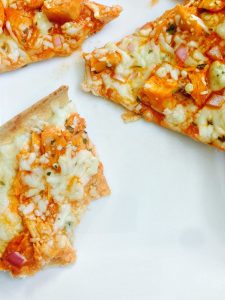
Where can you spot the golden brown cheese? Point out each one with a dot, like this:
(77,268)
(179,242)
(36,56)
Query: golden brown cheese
(35,30)
(170,71)
(49,174)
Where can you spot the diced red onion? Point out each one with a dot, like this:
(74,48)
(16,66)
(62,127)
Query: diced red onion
(215,53)
(216,100)
(16,259)
(182,53)
(57,41)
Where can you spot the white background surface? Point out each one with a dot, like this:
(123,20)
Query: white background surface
(161,234)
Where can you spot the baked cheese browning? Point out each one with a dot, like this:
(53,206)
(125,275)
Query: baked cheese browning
(35,30)
(53,175)
(170,71)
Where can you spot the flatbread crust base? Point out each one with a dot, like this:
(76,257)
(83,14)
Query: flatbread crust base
(22,124)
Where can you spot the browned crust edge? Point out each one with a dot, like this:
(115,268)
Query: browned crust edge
(22,124)
(41,110)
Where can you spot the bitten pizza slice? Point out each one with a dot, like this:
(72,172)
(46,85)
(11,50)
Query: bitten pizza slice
(49,173)
(35,30)
(171,71)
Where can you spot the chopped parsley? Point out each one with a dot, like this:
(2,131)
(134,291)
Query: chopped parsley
(138,99)
(209,122)
(25,31)
(171,29)
(70,129)
(201,66)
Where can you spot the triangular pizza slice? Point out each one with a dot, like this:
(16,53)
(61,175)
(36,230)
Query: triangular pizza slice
(49,173)
(170,71)
(34,30)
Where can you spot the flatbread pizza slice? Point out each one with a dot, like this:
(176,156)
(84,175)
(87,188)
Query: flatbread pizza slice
(49,173)
(36,30)
(170,71)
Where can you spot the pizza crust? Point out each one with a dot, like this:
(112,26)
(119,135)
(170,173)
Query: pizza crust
(96,187)
(41,110)
(170,71)
(29,34)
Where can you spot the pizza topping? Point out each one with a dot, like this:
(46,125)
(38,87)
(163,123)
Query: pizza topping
(64,218)
(172,28)
(189,88)
(43,23)
(212,5)
(220,30)
(215,53)
(176,116)
(217,76)
(75,174)
(216,100)
(35,30)
(49,174)
(211,123)
(62,11)
(16,259)
(182,53)
(26,161)
(170,71)
(26,209)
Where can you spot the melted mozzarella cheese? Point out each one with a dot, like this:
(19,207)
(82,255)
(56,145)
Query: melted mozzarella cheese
(26,161)
(168,69)
(10,223)
(217,76)
(10,49)
(95,9)
(26,209)
(64,217)
(71,28)
(42,22)
(61,113)
(8,164)
(138,58)
(76,171)
(123,89)
(35,181)
(201,23)
(220,30)
(176,116)
(211,124)
(58,118)
(10,226)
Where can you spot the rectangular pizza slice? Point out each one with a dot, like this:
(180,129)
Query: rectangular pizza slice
(170,71)
(49,173)
(34,30)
